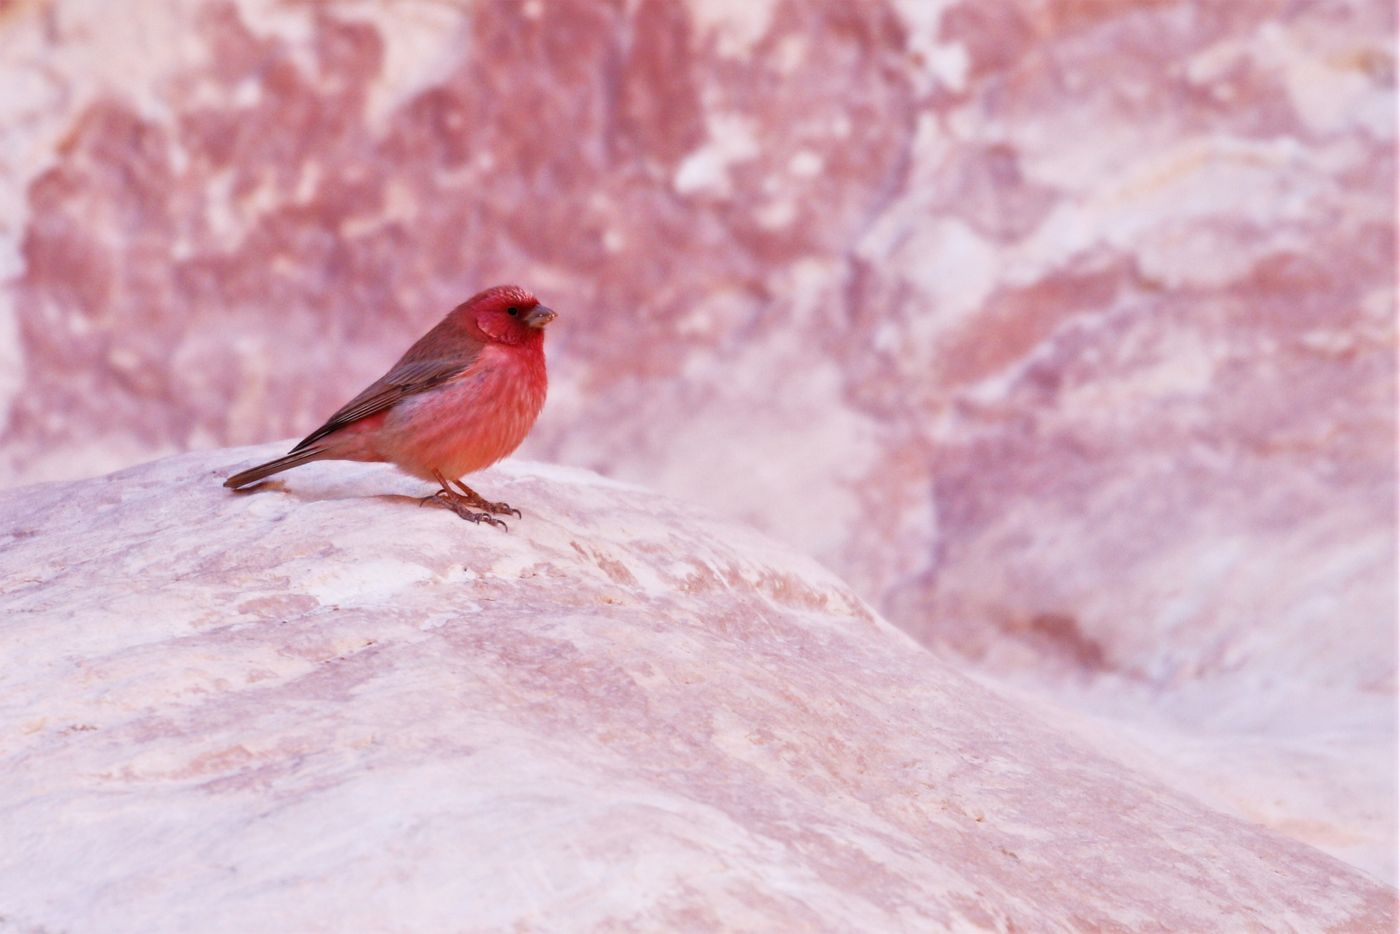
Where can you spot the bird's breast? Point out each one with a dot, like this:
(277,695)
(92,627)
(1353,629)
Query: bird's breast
(471,421)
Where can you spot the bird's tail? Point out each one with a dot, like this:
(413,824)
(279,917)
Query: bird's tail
(286,462)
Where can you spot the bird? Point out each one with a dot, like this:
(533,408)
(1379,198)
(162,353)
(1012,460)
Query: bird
(461,398)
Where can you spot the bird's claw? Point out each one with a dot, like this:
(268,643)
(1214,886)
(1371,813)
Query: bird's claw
(501,509)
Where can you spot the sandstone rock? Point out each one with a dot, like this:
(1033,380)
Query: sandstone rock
(1064,332)
(317,706)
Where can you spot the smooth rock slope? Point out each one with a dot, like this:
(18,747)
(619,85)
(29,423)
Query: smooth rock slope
(318,706)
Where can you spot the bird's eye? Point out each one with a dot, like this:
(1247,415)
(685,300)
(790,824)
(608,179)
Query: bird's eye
(512,311)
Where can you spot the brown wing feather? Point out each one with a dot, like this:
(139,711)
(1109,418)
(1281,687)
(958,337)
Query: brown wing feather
(438,356)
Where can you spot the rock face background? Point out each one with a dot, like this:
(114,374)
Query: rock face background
(1063,331)
(321,708)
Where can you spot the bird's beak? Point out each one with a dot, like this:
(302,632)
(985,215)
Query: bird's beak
(539,316)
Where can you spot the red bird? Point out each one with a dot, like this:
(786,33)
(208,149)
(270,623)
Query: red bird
(463,397)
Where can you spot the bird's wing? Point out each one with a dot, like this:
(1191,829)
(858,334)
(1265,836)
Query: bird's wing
(417,371)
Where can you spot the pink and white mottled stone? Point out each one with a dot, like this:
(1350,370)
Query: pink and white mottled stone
(320,707)
(1064,331)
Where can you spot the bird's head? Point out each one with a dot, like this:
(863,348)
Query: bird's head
(507,314)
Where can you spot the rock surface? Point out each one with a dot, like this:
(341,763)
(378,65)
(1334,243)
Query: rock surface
(319,707)
(1063,331)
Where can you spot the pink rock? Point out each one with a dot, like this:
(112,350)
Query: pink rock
(317,706)
(1063,331)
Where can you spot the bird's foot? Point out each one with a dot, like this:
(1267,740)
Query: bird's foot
(498,509)
(480,502)
(460,502)
(462,507)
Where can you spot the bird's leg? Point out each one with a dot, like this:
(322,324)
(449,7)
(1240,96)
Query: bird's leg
(480,502)
(459,504)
